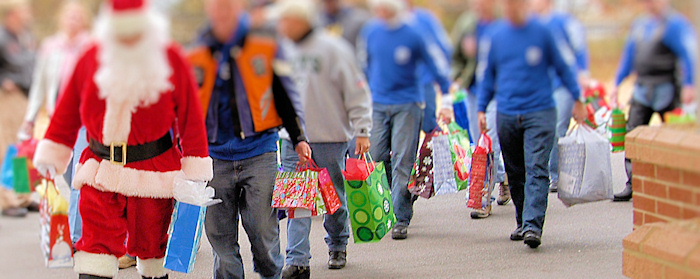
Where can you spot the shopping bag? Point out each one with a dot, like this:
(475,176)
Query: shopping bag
(55,239)
(6,175)
(585,169)
(422,176)
(443,168)
(295,189)
(461,155)
(320,209)
(459,106)
(482,174)
(329,197)
(25,176)
(184,234)
(369,204)
(618,130)
(685,115)
(357,169)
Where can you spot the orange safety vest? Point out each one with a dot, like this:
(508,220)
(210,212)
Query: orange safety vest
(255,66)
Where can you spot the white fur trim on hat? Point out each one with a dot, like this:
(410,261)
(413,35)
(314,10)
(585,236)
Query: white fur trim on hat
(128,23)
(103,265)
(198,168)
(304,9)
(151,268)
(395,5)
(54,154)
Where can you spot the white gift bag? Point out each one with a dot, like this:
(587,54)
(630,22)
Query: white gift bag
(585,170)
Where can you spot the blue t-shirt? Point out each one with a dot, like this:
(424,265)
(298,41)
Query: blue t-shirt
(679,36)
(437,41)
(517,69)
(390,57)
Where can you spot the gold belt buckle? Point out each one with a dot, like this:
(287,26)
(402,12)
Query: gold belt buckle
(111,153)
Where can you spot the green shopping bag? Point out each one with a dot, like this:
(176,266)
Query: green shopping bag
(461,155)
(369,200)
(20,177)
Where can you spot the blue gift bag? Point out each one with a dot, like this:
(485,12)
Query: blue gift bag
(184,234)
(6,174)
(461,113)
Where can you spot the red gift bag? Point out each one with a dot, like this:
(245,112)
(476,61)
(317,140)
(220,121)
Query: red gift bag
(56,244)
(297,189)
(325,186)
(477,175)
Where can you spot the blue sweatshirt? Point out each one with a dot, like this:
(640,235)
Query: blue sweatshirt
(570,36)
(390,57)
(679,36)
(518,61)
(437,41)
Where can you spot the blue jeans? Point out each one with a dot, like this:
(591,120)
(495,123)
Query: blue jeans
(496,143)
(395,136)
(332,157)
(75,222)
(565,107)
(429,119)
(527,142)
(245,187)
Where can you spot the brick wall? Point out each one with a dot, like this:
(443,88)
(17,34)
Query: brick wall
(666,166)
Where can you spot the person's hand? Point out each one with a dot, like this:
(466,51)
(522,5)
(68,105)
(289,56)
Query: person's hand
(446,115)
(25,131)
(46,170)
(580,113)
(482,122)
(688,94)
(613,98)
(362,145)
(9,86)
(304,151)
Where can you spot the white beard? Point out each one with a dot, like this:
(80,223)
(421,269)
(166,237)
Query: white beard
(131,77)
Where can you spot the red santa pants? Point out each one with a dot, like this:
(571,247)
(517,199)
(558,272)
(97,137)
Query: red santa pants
(108,217)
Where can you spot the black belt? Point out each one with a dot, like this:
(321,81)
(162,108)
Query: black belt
(116,152)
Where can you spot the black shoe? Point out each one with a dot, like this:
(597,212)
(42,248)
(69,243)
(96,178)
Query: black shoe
(625,195)
(553,187)
(16,212)
(532,239)
(296,272)
(337,259)
(33,207)
(88,276)
(517,234)
(164,277)
(399,232)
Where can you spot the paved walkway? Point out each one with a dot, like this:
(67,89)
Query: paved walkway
(584,241)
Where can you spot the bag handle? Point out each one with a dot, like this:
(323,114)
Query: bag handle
(364,157)
(308,165)
(486,140)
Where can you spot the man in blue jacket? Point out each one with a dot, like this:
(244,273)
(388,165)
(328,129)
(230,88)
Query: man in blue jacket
(390,51)
(570,37)
(658,42)
(521,53)
(252,96)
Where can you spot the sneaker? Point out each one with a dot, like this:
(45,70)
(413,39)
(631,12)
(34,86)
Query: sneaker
(399,232)
(503,194)
(481,213)
(16,212)
(532,239)
(517,234)
(126,262)
(337,259)
(553,187)
(296,272)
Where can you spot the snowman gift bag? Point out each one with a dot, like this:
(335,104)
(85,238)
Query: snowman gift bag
(56,244)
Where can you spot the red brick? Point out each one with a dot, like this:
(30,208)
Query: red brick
(673,273)
(669,138)
(637,184)
(635,267)
(691,178)
(655,189)
(689,213)
(670,244)
(668,174)
(691,142)
(643,169)
(644,203)
(669,210)
(645,135)
(652,218)
(633,240)
(681,195)
(638,218)
(694,259)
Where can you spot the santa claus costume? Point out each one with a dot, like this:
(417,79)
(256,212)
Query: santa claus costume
(135,93)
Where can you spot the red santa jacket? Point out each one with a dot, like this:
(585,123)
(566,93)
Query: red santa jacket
(177,110)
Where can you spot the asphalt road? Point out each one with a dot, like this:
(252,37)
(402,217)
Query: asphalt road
(584,241)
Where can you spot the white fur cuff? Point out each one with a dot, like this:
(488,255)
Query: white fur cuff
(54,154)
(151,268)
(96,264)
(198,168)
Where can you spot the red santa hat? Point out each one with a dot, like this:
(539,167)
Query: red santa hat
(128,17)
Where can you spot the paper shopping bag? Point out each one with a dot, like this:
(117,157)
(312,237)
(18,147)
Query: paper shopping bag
(6,174)
(320,209)
(461,155)
(422,176)
(296,189)
(185,232)
(326,189)
(481,174)
(55,239)
(370,206)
